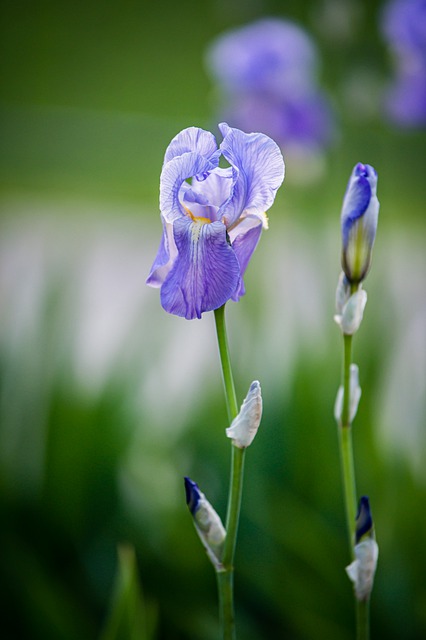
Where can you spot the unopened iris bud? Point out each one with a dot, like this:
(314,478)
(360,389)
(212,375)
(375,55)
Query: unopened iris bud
(343,293)
(244,427)
(354,398)
(363,568)
(207,522)
(364,520)
(350,317)
(359,218)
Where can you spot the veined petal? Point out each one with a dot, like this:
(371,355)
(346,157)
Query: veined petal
(244,244)
(205,273)
(173,175)
(359,222)
(259,172)
(217,186)
(355,204)
(191,140)
(164,259)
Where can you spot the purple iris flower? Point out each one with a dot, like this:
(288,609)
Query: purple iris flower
(270,55)
(404,28)
(267,75)
(359,219)
(212,216)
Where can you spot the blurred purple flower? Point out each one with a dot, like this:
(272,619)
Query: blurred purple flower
(212,225)
(266,73)
(404,28)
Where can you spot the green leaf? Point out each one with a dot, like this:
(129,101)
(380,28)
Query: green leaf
(130,617)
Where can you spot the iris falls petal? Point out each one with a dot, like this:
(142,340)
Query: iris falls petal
(205,273)
(244,245)
(164,259)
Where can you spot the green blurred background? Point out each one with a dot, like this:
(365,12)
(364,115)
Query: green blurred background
(106,402)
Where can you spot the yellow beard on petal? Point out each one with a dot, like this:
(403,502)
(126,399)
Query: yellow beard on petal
(195,218)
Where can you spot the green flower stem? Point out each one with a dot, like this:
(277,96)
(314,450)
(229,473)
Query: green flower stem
(363,619)
(228,380)
(225,588)
(349,486)
(346,451)
(225,579)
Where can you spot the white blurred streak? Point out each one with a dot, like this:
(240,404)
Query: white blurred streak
(106,319)
(105,324)
(401,412)
(110,295)
(288,283)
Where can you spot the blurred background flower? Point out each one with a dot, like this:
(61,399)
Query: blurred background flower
(266,77)
(107,402)
(404,30)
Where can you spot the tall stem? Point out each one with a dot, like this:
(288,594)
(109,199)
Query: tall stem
(225,361)
(363,619)
(225,580)
(349,486)
(346,450)
(225,588)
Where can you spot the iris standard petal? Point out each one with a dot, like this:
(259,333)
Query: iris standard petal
(259,173)
(217,186)
(205,273)
(164,259)
(191,140)
(173,175)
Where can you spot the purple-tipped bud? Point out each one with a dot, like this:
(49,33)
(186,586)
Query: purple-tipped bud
(207,522)
(364,520)
(362,570)
(192,495)
(359,218)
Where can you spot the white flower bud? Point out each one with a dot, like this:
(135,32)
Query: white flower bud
(353,310)
(362,570)
(354,396)
(343,292)
(244,427)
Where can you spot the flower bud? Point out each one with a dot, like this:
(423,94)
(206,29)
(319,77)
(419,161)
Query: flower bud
(359,218)
(364,520)
(350,318)
(207,522)
(244,427)
(355,395)
(362,570)
(343,292)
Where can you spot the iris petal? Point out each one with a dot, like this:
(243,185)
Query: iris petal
(174,173)
(205,273)
(191,140)
(164,258)
(217,187)
(259,171)
(356,202)
(244,245)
